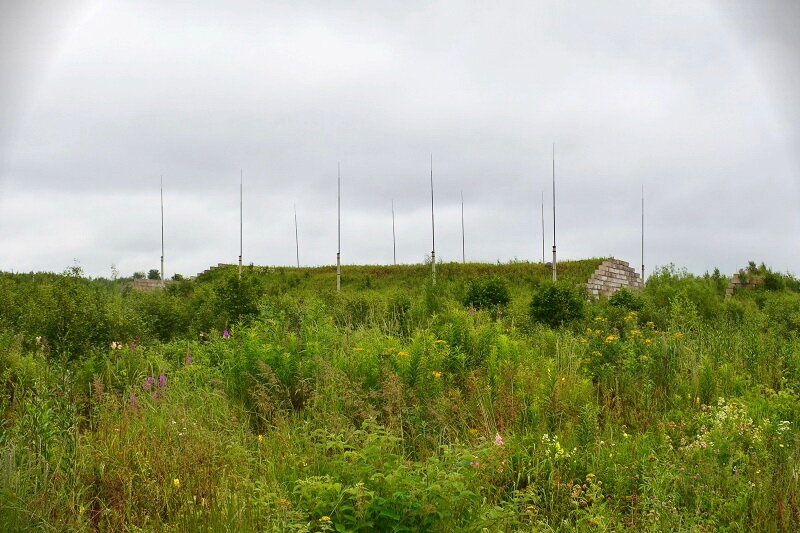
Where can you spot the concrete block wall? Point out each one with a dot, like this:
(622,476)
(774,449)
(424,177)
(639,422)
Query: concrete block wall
(738,282)
(148,284)
(612,275)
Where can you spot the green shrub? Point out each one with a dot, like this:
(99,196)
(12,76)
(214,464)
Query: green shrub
(626,299)
(487,293)
(557,303)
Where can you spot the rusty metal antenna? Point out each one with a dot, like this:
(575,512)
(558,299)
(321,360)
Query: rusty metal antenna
(433,232)
(241,226)
(642,232)
(555,275)
(338,227)
(296,241)
(394,240)
(162,230)
(463,254)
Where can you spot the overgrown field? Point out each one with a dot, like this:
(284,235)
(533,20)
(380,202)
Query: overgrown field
(494,400)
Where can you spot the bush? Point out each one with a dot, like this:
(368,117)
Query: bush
(487,293)
(557,303)
(153,273)
(627,300)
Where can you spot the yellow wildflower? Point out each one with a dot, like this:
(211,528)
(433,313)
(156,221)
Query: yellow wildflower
(440,341)
(645,358)
(611,338)
(402,354)
(325,519)
(584,340)
(176,483)
(359,349)
(648,341)
(260,438)
(437,374)
(635,332)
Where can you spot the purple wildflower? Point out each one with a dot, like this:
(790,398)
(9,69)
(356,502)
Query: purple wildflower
(225,334)
(133,346)
(498,439)
(162,380)
(133,401)
(148,382)
(187,360)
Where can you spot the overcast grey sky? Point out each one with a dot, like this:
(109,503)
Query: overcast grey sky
(697,101)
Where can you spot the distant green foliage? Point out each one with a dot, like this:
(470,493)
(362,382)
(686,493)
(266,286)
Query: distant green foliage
(487,293)
(153,273)
(138,275)
(556,304)
(627,299)
(238,298)
(275,403)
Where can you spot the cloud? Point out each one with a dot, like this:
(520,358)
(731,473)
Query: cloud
(633,94)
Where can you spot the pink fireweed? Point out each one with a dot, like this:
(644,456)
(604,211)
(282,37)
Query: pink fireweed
(225,334)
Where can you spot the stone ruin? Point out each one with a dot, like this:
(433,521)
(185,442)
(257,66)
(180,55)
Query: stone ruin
(611,276)
(742,280)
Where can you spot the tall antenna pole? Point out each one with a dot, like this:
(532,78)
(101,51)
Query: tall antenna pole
(296,242)
(555,276)
(394,241)
(643,233)
(433,232)
(543,260)
(241,173)
(162,231)
(338,227)
(463,254)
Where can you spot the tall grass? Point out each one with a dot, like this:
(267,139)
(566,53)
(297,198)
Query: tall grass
(393,409)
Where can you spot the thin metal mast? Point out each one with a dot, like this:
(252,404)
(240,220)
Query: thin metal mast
(394,240)
(555,276)
(162,231)
(543,259)
(463,254)
(338,227)
(433,232)
(643,233)
(296,241)
(241,173)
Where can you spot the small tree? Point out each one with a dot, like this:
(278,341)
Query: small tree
(138,275)
(626,299)
(487,293)
(153,274)
(557,303)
